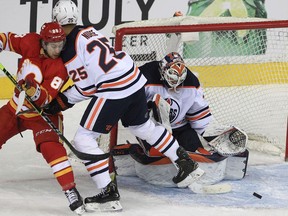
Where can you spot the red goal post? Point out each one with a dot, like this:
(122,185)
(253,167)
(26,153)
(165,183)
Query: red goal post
(245,85)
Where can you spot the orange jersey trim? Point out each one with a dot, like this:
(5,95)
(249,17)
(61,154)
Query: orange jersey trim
(108,85)
(165,142)
(199,116)
(98,166)
(95,112)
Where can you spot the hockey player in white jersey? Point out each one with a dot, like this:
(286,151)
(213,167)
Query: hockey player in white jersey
(173,89)
(189,116)
(189,111)
(115,86)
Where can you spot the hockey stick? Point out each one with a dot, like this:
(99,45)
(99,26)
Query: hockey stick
(80,155)
(210,189)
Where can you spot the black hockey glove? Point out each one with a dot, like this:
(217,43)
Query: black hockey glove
(60,103)
(150,105)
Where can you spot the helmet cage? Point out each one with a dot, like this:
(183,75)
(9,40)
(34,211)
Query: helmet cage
(174,74)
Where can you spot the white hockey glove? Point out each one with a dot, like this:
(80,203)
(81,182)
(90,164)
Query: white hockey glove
(161,111)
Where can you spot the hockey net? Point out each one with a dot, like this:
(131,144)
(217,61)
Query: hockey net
(242,65)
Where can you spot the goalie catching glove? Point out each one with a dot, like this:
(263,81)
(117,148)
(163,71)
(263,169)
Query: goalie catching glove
(60,103)
(232,141)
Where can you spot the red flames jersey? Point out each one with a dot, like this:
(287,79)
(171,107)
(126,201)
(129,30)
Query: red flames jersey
(51,74)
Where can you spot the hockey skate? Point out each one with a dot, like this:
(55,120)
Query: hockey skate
(107,200)
(188,170)
(75,200)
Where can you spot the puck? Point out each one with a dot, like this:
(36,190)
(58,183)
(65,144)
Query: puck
(257,195)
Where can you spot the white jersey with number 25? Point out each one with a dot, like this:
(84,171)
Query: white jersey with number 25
(97,69)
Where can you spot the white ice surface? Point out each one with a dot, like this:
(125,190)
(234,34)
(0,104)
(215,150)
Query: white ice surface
(27,186)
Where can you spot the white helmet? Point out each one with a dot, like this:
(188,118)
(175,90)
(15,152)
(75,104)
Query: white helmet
(173,70)
(65,12)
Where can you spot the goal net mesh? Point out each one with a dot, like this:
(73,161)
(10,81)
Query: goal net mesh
(242,68)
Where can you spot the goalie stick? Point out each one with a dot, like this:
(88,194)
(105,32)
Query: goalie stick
(210,189)
(80,155)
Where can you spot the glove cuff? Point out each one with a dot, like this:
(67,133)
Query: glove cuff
(63,102)
(37,93)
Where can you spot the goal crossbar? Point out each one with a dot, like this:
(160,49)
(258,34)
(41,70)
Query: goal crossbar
(258,75)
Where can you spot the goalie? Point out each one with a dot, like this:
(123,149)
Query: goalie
(176,101)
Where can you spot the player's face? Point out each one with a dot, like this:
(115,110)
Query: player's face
(54,49)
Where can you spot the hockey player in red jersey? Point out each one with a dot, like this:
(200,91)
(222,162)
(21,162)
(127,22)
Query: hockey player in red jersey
(41,73)
(116,88)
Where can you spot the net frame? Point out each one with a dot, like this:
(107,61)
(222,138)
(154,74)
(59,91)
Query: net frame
(244,24)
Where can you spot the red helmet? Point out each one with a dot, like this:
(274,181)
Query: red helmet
(52,32)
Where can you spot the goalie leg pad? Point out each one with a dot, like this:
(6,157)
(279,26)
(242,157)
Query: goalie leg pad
(237,166)
(124,163)
(194,176)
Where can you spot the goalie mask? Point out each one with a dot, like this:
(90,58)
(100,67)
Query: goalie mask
(172,69)
(65,12)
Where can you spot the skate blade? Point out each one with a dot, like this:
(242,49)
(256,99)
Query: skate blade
(210,189)
(192,177)
(80,211)
(103,207)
